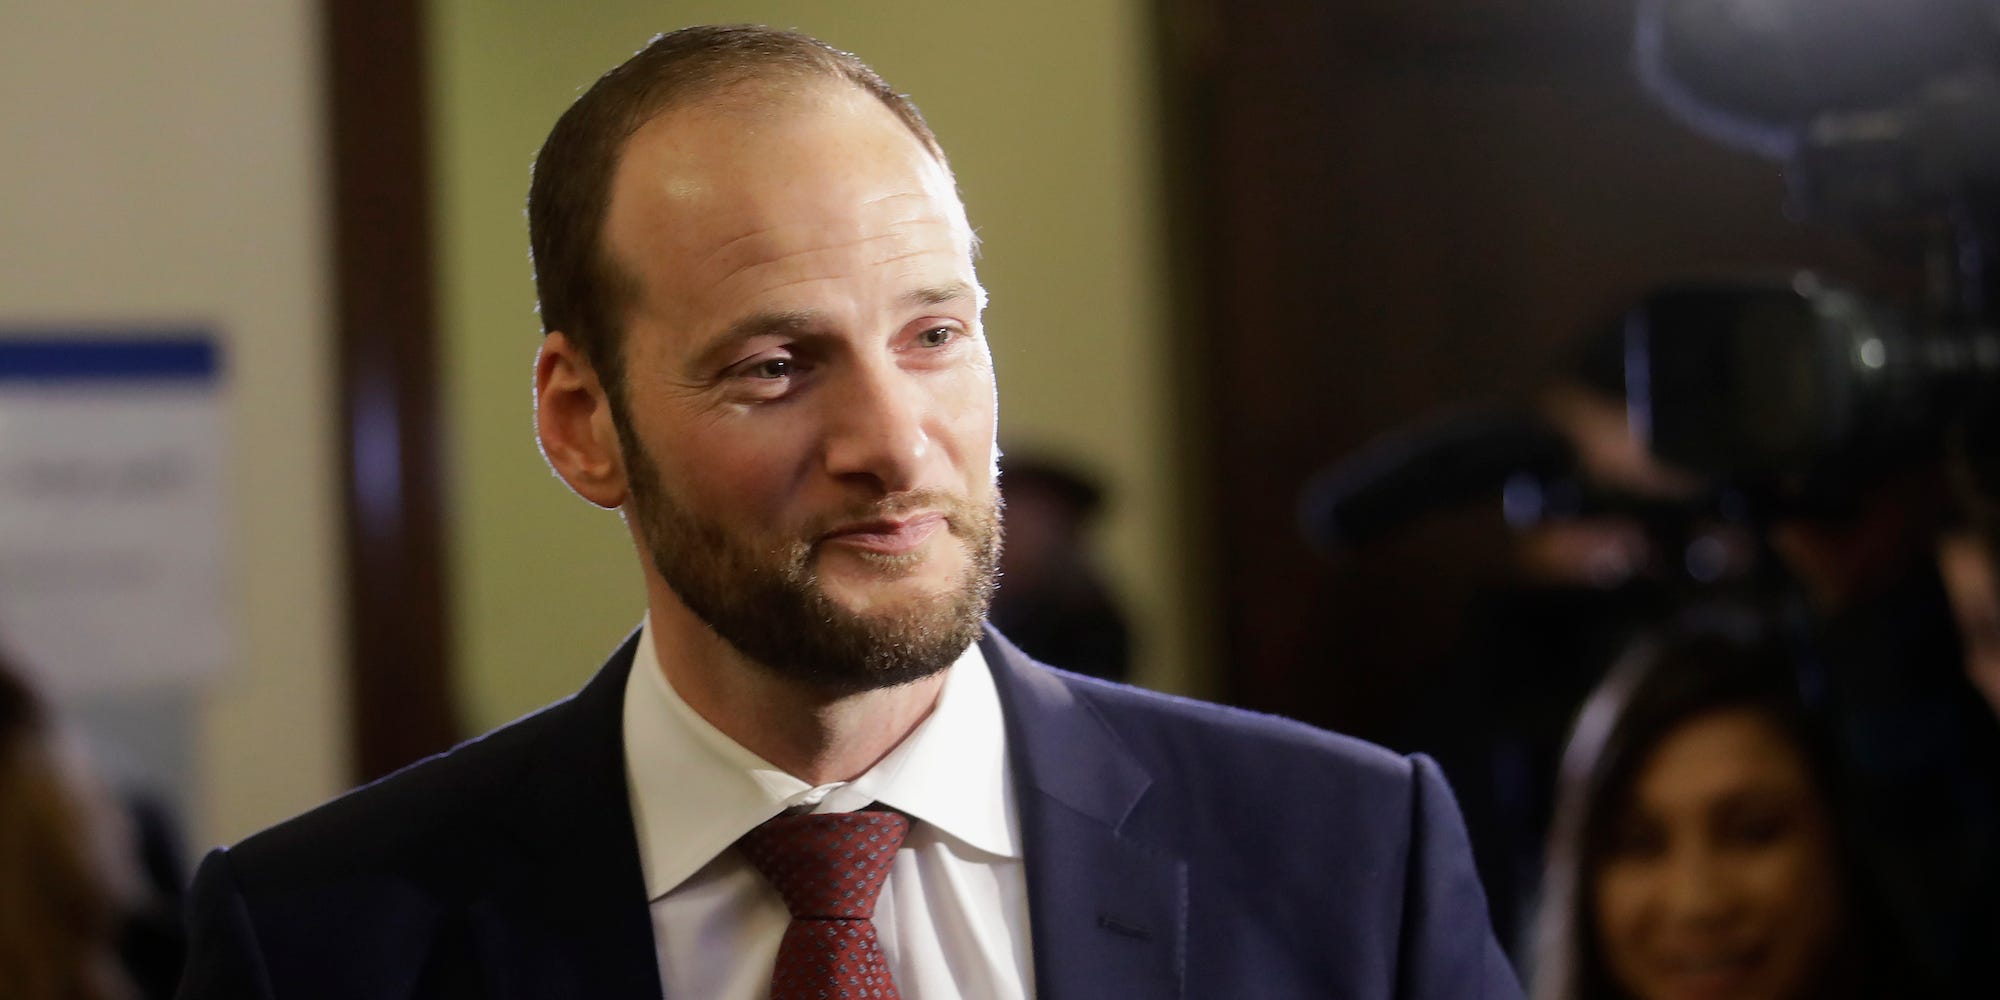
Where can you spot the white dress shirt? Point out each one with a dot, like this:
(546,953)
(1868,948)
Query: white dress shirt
(953,914)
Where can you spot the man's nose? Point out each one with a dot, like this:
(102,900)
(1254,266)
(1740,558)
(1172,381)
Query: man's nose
(877,428)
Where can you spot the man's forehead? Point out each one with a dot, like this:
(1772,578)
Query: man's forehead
(705,190)
(881,230)
(758,140)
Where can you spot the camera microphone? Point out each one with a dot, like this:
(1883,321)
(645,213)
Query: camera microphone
(1412,473)
(1752,73)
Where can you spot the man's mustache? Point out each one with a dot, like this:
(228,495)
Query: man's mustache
(960,514)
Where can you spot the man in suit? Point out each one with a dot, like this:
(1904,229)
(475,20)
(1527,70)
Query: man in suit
(763,346)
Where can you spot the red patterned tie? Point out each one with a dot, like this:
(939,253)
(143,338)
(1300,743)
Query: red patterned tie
(829,868)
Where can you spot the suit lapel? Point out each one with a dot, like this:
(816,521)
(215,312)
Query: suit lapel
(569,916)
(1107,911)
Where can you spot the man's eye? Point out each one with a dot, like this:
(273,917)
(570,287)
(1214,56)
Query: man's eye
(770,368)
(936,336)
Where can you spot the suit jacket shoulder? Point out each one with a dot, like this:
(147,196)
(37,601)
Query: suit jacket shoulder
(433,801)
(1242,848)
(1155,723)
(504,867)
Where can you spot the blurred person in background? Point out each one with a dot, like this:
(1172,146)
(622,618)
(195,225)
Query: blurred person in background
(65,883)
(1890,617)
(1053,601)
(1606,542)
(1698,848)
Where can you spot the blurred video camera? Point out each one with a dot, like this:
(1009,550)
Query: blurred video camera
(1886,115)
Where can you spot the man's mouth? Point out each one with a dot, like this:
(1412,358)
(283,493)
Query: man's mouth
(887,536)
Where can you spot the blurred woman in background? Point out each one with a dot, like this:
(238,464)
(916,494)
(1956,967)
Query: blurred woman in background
(1696,850)
(61,877)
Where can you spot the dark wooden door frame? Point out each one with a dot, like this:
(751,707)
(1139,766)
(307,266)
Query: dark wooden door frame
(398,635)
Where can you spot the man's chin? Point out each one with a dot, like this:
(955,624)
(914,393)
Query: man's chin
(851,652)
(871,587)
(842,616)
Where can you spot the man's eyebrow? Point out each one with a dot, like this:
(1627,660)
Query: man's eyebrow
(937,295)
(792,323)
(773,324)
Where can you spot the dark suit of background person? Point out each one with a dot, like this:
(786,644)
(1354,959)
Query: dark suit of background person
(797,417)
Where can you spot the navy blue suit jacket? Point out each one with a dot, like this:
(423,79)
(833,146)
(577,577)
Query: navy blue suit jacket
(1172,849)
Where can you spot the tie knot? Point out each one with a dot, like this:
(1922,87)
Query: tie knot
(827,865)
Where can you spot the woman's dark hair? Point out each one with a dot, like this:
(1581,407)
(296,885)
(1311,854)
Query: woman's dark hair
(57,915)
(1708,659)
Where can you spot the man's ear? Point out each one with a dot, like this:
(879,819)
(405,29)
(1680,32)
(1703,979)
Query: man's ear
(573,421)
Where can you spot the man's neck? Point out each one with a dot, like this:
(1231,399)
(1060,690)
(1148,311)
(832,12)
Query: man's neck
(805,731)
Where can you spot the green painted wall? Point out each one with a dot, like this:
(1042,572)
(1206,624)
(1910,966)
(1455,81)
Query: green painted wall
(1051,120)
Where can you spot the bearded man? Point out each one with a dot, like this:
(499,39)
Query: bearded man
(812,771)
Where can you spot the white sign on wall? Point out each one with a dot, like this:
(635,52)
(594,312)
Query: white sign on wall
(112,497)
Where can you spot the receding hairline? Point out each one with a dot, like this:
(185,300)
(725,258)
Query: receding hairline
(752,96)
(766,91)
(756,100)
(748,71)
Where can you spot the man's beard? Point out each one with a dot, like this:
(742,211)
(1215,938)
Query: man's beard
(767,601)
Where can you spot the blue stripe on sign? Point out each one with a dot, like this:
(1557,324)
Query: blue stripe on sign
(172,354)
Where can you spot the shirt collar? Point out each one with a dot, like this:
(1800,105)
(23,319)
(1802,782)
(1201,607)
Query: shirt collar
(694,791)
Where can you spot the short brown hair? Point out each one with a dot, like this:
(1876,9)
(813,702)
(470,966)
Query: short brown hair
(582,291)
